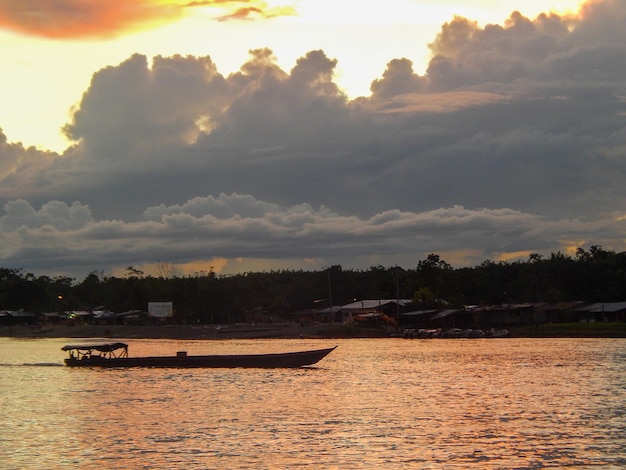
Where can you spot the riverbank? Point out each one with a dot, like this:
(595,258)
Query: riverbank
(316,330)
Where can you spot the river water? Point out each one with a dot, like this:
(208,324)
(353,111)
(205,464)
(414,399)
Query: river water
(392,403)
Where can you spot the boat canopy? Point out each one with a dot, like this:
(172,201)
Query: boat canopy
(105,347)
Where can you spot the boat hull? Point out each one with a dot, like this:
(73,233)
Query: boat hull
(182,360)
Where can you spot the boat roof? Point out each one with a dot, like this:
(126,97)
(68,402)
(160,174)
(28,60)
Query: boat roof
(103,347)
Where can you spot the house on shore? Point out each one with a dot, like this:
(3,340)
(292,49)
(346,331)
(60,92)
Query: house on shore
(601,312)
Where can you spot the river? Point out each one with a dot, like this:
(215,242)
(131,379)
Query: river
(372,403)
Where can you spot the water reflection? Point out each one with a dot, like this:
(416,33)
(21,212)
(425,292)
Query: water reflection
(395,403)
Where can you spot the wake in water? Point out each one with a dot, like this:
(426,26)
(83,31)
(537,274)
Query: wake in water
(34,364)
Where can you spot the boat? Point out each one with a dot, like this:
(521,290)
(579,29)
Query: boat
(493,333)
(116,355)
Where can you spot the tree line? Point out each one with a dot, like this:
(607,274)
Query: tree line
(594,275)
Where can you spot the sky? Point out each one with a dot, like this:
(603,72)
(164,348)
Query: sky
(238,136)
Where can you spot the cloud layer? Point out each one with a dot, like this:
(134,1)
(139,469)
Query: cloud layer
(513,142)
(73,19)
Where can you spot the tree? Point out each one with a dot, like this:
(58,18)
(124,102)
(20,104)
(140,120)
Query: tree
(424,298)
(165,270)
(132,272)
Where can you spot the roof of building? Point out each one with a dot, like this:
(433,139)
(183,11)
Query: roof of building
(603,307)
(445,313)
(370,304)
(416,313)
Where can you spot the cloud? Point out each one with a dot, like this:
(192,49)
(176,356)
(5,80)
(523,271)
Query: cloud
(63,19)
(74,19)
(224,230)
(22,167)
(131,109)
(398,79)
(56,214)
(512,142)
(590,47)
(258,10)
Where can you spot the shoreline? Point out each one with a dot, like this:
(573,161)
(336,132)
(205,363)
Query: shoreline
(285,331)
(192,332)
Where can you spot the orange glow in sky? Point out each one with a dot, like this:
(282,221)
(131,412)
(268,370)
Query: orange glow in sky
(73,19)
(51,48)
(79,18)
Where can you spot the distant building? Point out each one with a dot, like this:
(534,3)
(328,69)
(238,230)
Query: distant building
(560,312)
(18,317)
(418,318)
(601,312)
(391,307)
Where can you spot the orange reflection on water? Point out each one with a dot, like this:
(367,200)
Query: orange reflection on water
(371,403)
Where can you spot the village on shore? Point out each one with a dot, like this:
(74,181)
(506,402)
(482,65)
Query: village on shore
(362,318)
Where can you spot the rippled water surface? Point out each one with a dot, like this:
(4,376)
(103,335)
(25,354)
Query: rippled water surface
(496,403)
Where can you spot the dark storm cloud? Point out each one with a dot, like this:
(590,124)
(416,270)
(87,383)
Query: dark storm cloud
(513,142)
(60,237)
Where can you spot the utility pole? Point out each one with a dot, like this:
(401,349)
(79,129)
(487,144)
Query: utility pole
(397,298)
(330,298)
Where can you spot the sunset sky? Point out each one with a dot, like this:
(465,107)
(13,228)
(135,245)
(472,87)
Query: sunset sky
(297,134)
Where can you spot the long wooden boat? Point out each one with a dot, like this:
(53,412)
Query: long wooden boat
(116,355)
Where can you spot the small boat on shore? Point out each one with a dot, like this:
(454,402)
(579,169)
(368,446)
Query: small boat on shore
(423,333)
(116,355)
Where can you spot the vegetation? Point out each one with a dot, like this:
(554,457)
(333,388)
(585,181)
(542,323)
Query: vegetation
(596,275)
